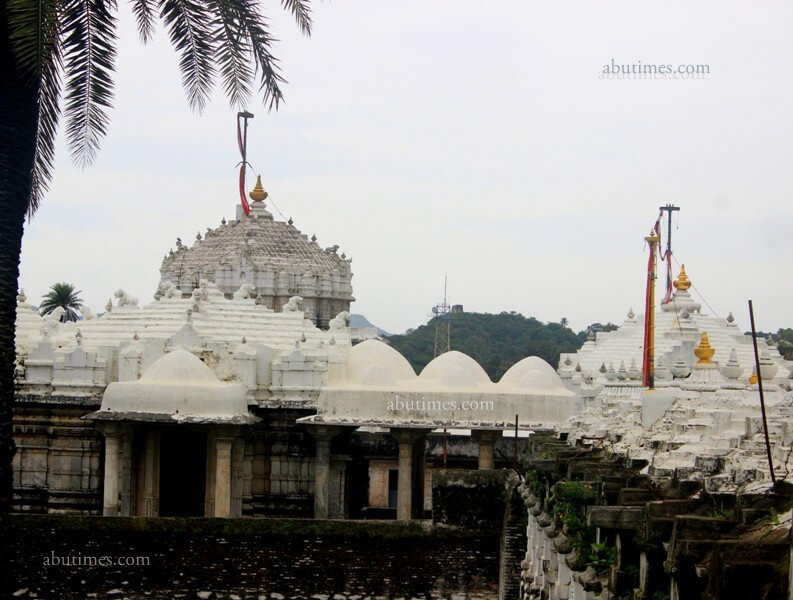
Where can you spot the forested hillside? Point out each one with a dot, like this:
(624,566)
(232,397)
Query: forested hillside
(495,341)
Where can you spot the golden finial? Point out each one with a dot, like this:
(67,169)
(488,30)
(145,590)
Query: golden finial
(705,351)
(652,238)
(682,282)
(258,194)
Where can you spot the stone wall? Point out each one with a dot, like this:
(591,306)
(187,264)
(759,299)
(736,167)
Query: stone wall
(475,499)
(57,466)
(486,500)
(271,559)
(599,528)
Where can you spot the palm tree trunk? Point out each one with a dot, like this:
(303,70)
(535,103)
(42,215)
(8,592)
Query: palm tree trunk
(18,119)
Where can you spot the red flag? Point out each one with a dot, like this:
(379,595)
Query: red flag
(243,200)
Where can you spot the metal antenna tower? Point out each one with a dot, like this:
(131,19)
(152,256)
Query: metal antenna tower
(443,324)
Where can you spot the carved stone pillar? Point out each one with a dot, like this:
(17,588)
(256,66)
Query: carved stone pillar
(486,440)
(323,436)
(112,451)
(151,475)
(411,442)
(223,476)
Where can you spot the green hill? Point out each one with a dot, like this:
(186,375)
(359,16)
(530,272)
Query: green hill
(495,341)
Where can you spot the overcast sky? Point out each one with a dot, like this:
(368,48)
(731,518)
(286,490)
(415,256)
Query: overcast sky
(474,139)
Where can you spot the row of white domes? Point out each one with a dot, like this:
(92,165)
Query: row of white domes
(374,363)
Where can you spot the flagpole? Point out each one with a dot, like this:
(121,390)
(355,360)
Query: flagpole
(242,140)
(648,362)
(669,209)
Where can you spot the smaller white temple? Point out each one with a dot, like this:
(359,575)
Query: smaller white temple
(702,420)
(679,325)
(177,389)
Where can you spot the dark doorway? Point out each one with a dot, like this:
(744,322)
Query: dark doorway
(183,465)
(393,486)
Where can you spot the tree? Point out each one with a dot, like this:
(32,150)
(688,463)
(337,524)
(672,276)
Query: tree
(596,327)
(495,341)
(51,45)
(62,295)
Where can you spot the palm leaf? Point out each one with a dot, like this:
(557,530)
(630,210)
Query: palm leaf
(145,12)
(89,51)
(302,12)
(253,26)
(188,24)
(232,51)
(34,32)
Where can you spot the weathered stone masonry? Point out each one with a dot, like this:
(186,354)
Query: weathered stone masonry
(598,528)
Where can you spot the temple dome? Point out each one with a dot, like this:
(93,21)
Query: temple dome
(179,366)
(374,363)
(177,386)
(532,373)
(266,244)
(530,363)
(455,369)
(272,256)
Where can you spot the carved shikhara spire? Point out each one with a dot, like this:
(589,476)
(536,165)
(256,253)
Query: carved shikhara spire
(704,352)
(258,194)
(682,282)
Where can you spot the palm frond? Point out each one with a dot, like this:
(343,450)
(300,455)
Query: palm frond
(34,32)
(232,51)
(302,12)
(46,130)
(89,52)
(145,12)
(253,26)
(188,24)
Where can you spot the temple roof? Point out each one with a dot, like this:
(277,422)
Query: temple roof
(379,388)
(215,319)
(176,387)
(679,324)
(265,243)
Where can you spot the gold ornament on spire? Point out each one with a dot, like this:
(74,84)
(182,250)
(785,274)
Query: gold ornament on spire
(682,282)
(704,352)
(258,194)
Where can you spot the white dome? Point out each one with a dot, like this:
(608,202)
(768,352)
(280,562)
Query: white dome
(179,365)
(374,363)
(178,385)
(375,375)
(531,373)
(455,369)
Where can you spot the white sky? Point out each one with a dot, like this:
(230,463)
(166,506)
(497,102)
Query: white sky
(474,139)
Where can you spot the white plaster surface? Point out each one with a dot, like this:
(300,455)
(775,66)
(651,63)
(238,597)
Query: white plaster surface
(178,385)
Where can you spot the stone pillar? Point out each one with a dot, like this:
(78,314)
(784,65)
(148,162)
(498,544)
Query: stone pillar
(406,481)
(323,436)
(322,478)
(151,475)
(223,476)
(644,565)
(125,474)
(209,495)
(112,450)
(486,441)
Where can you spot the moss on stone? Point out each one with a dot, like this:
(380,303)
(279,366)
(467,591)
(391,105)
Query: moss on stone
(386,530)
